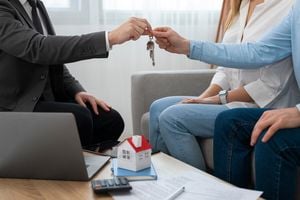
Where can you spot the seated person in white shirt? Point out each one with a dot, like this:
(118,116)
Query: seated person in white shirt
(177,122)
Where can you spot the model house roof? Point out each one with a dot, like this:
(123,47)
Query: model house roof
(144,144)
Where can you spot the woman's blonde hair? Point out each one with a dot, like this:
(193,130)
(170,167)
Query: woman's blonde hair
(233,11)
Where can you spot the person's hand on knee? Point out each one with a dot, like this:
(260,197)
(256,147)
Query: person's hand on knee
(82,98)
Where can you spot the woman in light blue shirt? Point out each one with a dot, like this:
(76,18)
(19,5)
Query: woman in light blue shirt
(274,134)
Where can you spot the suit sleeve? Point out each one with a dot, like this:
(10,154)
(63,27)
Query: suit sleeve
(273,47)
(20,41)
(71,85)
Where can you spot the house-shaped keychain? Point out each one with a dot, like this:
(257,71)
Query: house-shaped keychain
(134,153)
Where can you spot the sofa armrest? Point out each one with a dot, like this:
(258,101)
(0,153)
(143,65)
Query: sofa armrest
(148,86)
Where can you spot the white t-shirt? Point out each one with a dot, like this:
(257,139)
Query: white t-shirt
(271,86)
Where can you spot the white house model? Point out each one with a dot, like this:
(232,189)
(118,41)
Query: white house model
(134,153)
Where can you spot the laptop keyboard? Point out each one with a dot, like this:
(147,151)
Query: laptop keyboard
(94,162)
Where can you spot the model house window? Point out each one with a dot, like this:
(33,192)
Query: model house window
(140,156)
(126,154)
(147,154)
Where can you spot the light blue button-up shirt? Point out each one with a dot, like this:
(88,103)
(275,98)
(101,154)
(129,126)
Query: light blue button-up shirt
(281,42)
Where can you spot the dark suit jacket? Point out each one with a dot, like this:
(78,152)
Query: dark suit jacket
(27,58)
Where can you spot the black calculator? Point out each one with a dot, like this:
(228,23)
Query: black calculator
(110,185)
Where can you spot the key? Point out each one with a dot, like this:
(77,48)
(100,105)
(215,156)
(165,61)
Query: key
(150,47)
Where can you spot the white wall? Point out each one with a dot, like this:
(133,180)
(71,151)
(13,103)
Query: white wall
(109,79)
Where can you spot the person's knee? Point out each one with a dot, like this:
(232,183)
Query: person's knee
(118,121)
(169,117)
(221,127)
(228,123)
(155,107)
(107,126)
(84,116)
(273,145)
(225,119)
(84,123)
(228,116)
(83,112)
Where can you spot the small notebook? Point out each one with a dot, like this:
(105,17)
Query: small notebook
(145,174)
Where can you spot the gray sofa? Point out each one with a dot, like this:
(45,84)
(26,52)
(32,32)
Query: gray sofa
(149,86)
(146,87)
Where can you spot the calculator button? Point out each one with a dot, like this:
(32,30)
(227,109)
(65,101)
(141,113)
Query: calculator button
(102,183)
(97,184)
(110,182)
(123,181)
(117,181)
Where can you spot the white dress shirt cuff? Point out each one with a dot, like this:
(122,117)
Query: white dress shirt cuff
(108,47)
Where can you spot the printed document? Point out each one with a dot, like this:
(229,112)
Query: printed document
(197,186)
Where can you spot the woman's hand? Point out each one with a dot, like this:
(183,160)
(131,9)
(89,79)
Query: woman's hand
(209,100)
(171,41)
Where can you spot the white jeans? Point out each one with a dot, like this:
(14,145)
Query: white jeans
(174,128)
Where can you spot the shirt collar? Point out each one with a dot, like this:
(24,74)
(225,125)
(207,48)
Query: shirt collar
(23,1)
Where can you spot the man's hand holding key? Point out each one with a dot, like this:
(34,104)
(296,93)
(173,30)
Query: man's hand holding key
(133,29)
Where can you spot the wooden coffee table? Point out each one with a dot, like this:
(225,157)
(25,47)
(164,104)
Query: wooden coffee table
(12,189)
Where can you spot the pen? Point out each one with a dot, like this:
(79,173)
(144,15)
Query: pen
(176,193)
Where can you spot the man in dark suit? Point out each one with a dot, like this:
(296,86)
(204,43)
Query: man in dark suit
(33,77)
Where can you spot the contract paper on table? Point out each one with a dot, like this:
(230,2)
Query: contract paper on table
(197,186)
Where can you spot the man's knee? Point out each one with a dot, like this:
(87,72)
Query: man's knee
(226,118)
(233,124)
(274,145)
(109,123)
(222,129)
(84,123)
(118,121)
(83,115)
(230,115)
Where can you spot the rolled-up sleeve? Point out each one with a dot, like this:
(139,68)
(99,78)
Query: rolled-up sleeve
(260,92)
(221,79)
(273,80)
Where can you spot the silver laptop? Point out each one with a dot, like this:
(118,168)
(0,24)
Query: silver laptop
(44,146)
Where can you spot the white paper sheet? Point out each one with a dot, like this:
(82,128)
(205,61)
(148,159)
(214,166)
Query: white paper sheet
(197,186)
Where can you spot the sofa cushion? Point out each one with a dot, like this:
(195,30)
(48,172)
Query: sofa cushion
(207,151)
(145,124)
